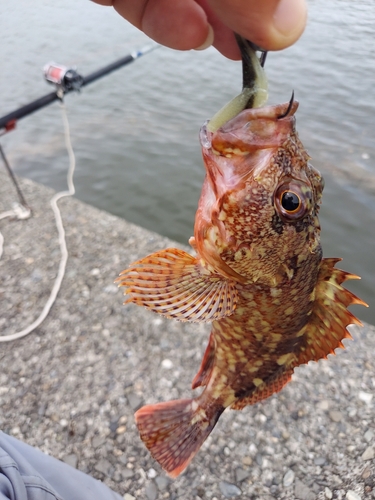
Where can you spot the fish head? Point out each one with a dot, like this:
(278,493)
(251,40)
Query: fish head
(258,213)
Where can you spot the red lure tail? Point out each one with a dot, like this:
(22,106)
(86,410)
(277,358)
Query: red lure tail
(174,431)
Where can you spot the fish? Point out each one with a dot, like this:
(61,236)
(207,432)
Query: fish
(258,275)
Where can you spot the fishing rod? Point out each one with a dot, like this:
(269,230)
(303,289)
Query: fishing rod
(66,80)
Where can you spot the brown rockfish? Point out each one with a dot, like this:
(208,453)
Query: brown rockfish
(258,276)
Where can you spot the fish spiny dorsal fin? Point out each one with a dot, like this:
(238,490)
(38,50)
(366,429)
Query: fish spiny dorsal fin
(329,318)
(175,284)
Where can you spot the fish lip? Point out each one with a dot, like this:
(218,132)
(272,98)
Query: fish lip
(270,112)
(243,125)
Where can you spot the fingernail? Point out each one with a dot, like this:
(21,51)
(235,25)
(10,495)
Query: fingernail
(209,40)
(290,16)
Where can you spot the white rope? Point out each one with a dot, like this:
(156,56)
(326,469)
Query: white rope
(61,233)
(18,211)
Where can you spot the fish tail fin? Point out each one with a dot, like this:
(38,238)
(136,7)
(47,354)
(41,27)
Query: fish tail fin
(174,431)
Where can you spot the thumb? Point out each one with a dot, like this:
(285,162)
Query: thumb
(270,24)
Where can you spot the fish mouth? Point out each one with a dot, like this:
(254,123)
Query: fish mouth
(251,130)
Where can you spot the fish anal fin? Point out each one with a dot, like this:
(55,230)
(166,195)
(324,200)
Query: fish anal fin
(327,325)
(270,386)
(174,431)
(204,373)
(175,284)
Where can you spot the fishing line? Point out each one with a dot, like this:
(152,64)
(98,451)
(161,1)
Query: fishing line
(61,234)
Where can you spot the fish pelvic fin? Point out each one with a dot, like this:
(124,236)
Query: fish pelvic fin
(175,284)
(174,431)
(203,376)
(326,327)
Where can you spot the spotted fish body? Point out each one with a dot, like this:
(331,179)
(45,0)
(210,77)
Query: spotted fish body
(258,275)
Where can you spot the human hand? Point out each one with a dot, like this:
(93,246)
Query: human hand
(193,24)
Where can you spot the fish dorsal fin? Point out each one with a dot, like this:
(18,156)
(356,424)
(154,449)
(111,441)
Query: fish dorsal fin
(175,284)
(329,318)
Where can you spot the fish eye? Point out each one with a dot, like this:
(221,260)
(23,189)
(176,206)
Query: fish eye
(293,200)
(290,201)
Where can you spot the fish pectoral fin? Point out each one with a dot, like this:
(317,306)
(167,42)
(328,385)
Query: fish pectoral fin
(326,327)
(174,283)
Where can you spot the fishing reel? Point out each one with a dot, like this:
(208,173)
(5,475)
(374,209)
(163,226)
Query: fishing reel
(65,79)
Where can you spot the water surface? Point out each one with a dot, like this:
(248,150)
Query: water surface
(135,132)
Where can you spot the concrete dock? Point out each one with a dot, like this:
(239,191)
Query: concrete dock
(71,387)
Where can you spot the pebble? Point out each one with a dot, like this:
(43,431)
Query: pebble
(352,495)
(369,435)
(241,474)
(98,441)
(323,404)
(352,412)
(134,401)
(247,460)
(328,493)
(319,460)
(164,344)
(151,491)
(368,454)
(302,492)
(288,478)
(103,466)
(259,459)
(366,473)
(167,364)
(151,473)
(229,490)
(111,289)
(71,460)
(161,482)
(128,497)
(335,416)
(117,476)
(366,397)
(127,473)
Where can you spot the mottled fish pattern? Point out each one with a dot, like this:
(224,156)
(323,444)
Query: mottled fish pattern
(258,276)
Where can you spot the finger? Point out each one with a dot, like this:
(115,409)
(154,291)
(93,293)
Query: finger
(179,24)
(271,24)
(224,39)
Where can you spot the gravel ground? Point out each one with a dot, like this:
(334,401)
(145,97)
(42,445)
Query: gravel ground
(71,387)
